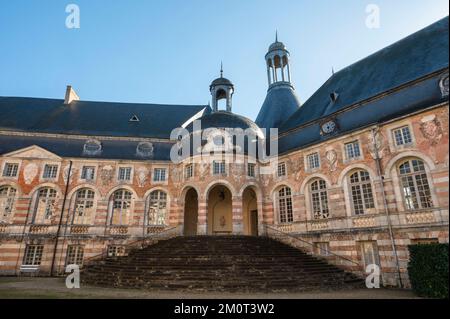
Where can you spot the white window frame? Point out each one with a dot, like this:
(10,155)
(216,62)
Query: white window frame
(158,200)
(286,201)
(37,252)
(400,129)
(324,203)
(5,164)
(10,201)
(222,168)
(78,255)
(414,176)
(251,170)
(76,209)
(348,157)
(58,168)
(88,179)
(282,170)
(124,167)
(125,213)
(360,187)
(157,179)
(308,161)
(189,171)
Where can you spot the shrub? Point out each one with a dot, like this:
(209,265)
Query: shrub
(428,270)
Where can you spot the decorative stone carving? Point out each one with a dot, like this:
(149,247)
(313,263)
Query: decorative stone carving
(295,167)
(204,170)
(376,144)
(66,173)
(331,157)
(364,222)
(30,172)
(142,176)
(106,174)
(320,225)
(443,85)
(420,218)
(237,171)
(176,175)
(431,129)
(266,179)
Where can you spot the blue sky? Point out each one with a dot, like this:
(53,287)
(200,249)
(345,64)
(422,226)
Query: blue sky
(169,51)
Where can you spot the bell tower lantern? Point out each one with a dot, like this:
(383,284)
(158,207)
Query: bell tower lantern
(221,89)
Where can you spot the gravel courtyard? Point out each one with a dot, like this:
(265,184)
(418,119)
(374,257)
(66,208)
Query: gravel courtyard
(54,288)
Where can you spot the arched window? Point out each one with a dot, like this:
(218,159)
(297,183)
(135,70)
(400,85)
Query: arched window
(45,207)
(285,205)
(319,199)
(361,192)
(121,207)
(415,186)
(7,196)
(84,207)
(157,208)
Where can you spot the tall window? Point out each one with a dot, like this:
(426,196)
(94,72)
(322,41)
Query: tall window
(88,173)
(319,199)
(84,207)
(157,208)
(75,254)
(219,168)
(124,174)
(159,174)
(352,150)
(45,206)
(285,205)
(251,170)
(7,196)
(50,171)
(361,192)
(369,253)
(189,171)
(10,170)
(33,255)
(402,136)
(313,161)
(415,186)
(281,172)
(121,207)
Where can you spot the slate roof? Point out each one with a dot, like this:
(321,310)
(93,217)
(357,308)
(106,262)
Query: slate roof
(280,103)
(224,119)
(420,54)
(73,148)
(94,118)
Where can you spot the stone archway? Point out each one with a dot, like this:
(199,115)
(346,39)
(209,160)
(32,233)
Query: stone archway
(250,212)
(220,211)
(191,212)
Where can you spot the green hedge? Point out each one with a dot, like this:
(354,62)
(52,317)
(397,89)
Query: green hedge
(428,270)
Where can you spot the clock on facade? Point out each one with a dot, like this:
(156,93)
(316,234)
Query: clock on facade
(329,127)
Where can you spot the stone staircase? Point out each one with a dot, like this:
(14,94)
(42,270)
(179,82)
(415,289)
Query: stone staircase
(219,263)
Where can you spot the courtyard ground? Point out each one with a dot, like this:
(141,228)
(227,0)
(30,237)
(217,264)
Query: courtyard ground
(55,288)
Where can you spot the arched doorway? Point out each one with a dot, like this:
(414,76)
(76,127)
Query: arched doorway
(220,211)
(250,212)
(190,213)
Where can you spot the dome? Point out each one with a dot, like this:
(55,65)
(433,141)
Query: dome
(221,81)
(223,119)
(277,46)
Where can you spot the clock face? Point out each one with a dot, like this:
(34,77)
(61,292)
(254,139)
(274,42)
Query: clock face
(329,127)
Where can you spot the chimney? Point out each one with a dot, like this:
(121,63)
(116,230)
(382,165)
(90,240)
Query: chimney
(71,95)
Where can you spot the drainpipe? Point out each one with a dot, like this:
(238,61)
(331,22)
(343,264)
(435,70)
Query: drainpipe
(386,210)
(61,218)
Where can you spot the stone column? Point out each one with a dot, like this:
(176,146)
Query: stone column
(238,215)
(202,222)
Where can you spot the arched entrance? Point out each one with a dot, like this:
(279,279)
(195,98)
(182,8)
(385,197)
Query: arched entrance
(220,211)
(250,212)
(190,213)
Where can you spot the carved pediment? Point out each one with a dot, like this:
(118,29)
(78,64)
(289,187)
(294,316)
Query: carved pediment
(33,152)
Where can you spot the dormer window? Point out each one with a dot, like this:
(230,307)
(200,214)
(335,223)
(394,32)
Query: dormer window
(92,148)
(334,96)
(144,149)
(134,118)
